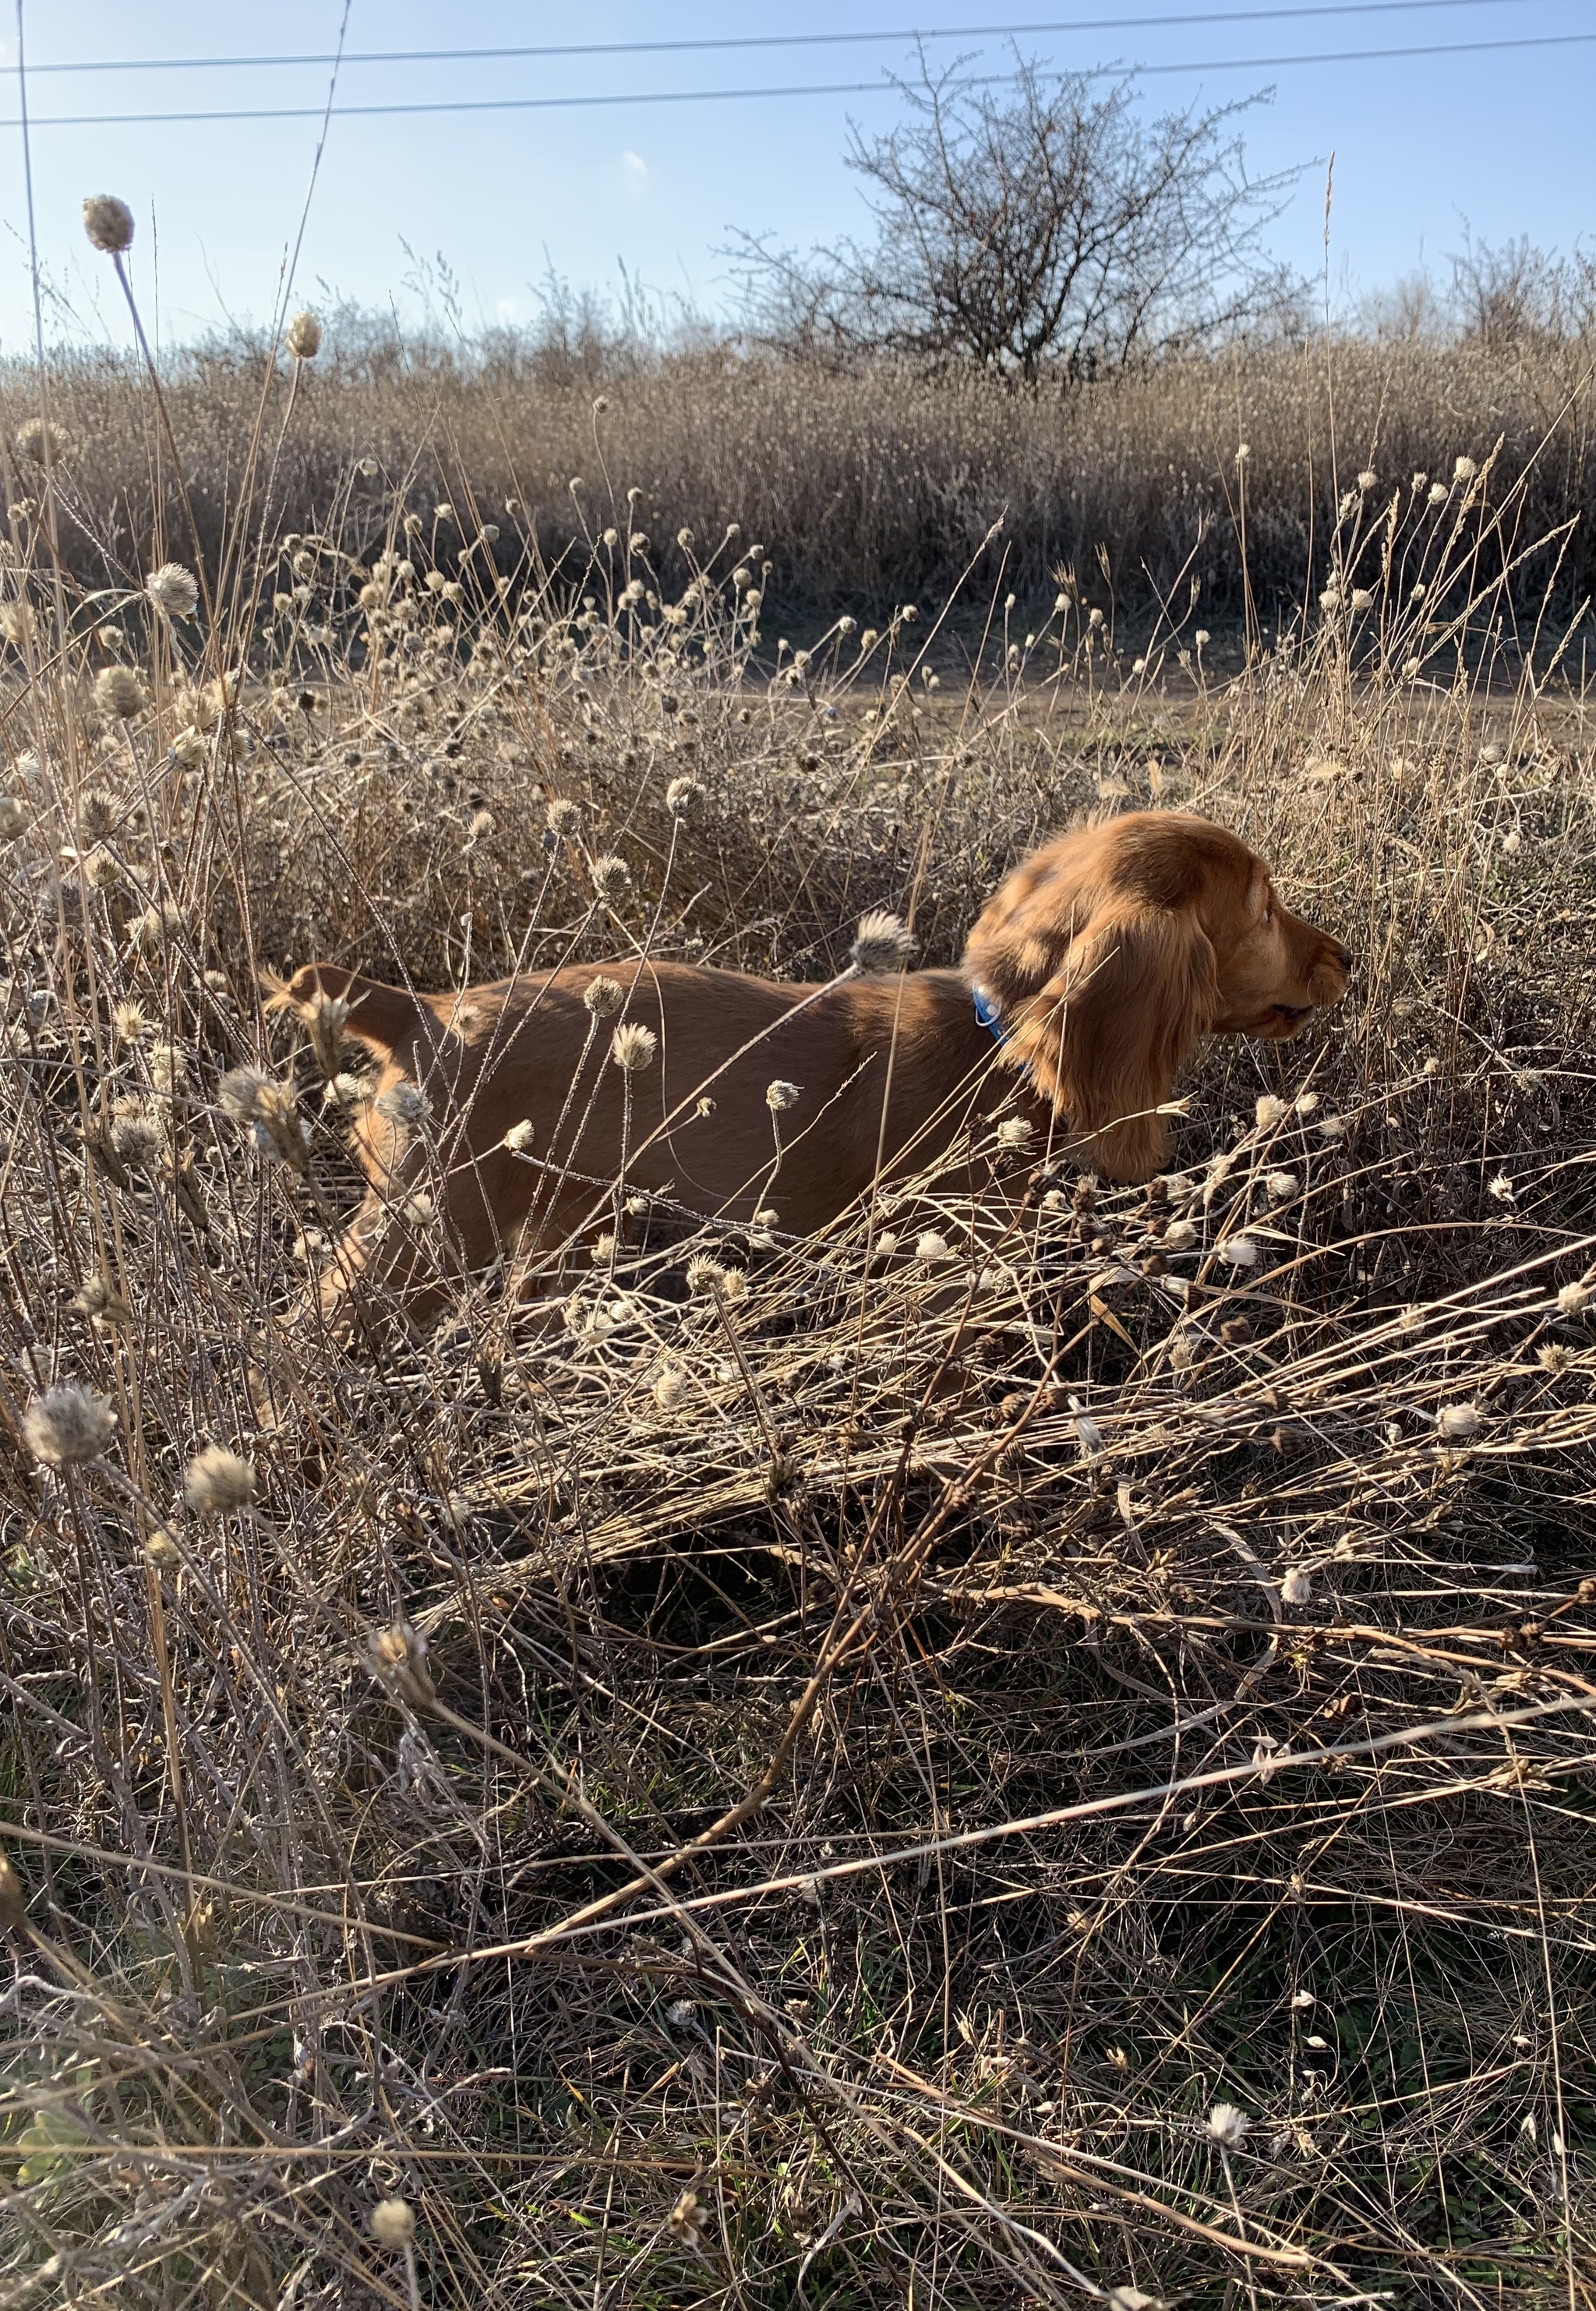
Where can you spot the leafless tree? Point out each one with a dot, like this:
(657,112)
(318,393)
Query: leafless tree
(1513,294)
(1027,226)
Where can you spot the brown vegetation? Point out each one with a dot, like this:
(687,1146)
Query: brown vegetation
(868,487)
(1023,1755)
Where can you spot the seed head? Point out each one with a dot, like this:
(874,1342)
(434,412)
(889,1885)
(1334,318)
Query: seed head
(670,1388)
(102,1304)
(109,223)
(1436,494)
(404,1103)
(633,1047)
(1296,1588)
(67,1425)
(1464,469)
(683,797)
(1282,1186)
(521,1139)
(603,996)
(1573,1299)
(1362,600)
(1457,1423)
(780,1096)
(174,591)
(304,338)
(216,1482)
(882,942)
(326,1017)
(398,1657)
(612,876)
(1271,1111)
(393,2222)
(119,694)
(267,1111)
(1014,1131)
(686,2219)
(1227,2125)
(933,1249)
(564,819)
(1239,1251)
(40,442)
(705,1275)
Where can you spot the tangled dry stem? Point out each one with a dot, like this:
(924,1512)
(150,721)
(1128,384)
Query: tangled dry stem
(1029,1755)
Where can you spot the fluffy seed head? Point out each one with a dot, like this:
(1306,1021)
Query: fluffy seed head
(1014,1131)
(119,693)
(633,1047)
(683,797)
(1296,1588)
(109,223)
(268,1114)
(40,442)
(1239,1251)
(1271,1111)
(1282,1186)
(564,819)
(174,591)
(670,1388)
(1227,2125)
(780,1096)
(882,942)
(326,1017)
(1464,469)
(216,1482)
(705,1275)
(686,2219)
(404,1103)
(393,2222)
(603,996)
(304,338)
(1573,1299)
(933,1249)
(521,1139)
(1457,1423)
(612,876)
(67,1425)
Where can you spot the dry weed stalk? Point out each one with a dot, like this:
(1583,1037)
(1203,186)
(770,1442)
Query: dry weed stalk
(1048,1755)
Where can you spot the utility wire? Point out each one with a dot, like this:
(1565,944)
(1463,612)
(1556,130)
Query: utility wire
(813,88)
(768,39)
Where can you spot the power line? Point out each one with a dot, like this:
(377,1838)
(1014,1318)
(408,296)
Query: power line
(813,88)
(764,40)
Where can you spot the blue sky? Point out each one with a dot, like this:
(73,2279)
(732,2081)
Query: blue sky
(1422,143)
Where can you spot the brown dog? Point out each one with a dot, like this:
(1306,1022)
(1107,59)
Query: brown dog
(1099,966)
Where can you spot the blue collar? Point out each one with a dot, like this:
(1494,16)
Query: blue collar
(987,1014)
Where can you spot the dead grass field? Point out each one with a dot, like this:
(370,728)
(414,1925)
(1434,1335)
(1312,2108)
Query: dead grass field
(973,1762)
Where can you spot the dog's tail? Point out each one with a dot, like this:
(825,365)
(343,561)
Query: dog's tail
(385,1019)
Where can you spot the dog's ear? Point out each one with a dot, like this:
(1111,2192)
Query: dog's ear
(1101,1015)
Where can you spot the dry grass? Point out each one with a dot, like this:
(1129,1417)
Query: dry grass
(899,1741)
(869,488)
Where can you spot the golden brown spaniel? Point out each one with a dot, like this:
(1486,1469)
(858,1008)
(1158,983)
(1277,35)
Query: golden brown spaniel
(520,1114)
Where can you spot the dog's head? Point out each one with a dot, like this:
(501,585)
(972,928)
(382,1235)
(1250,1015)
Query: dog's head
(1111,953)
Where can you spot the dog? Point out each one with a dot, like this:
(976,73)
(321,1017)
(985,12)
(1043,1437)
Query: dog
(533,1107)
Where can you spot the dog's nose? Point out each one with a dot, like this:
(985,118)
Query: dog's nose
(1345,958)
